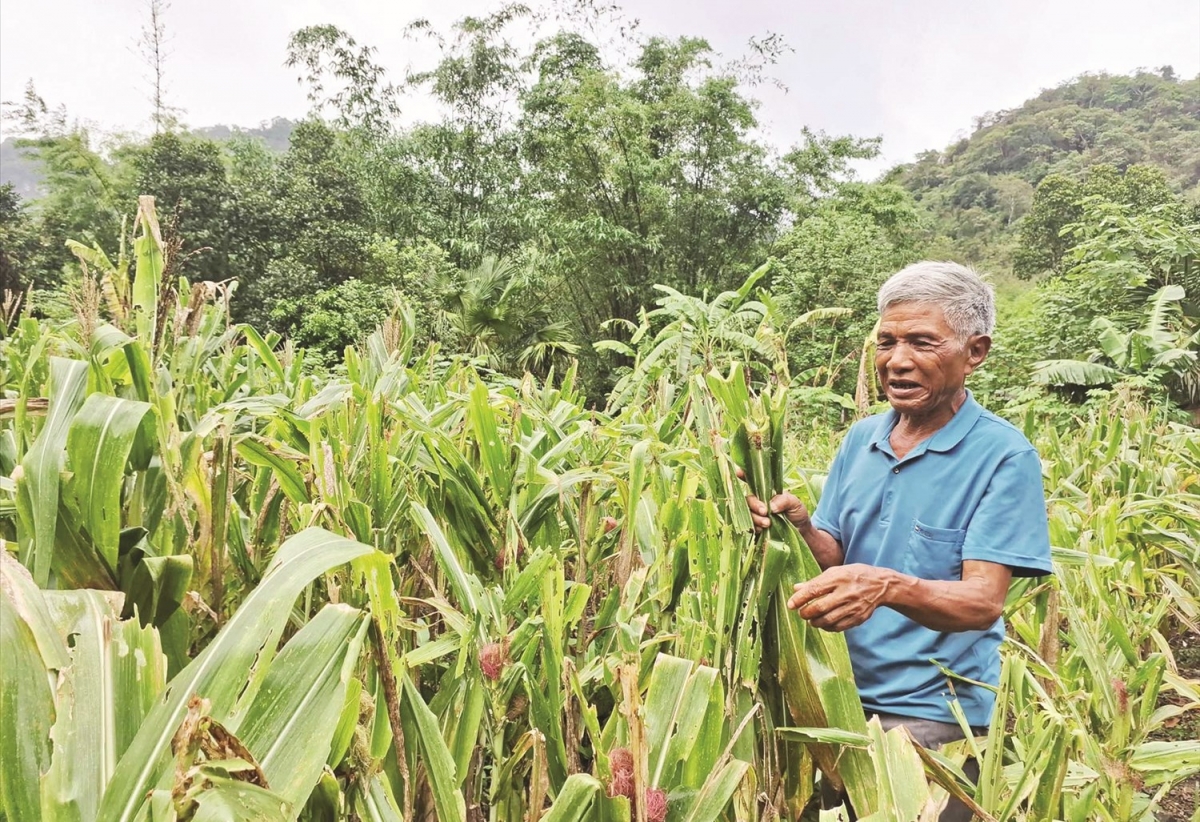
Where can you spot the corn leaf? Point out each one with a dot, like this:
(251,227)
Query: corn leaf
(258,451)
(492,449)
(148,270)
(291,723)
(99,442)
(116,673)
(27,710)
(43,464)
(718,789)
(575,801)
(899,775)
(232,800)
(377,804)
(229,671)
(676,703)
(464,587)
(439,764)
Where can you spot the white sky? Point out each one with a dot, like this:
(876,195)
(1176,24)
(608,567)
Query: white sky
(914,71)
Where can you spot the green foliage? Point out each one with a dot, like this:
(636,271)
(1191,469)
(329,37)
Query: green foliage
(188,179)
(499,313)
(686,335)
(839,256)
(1161,354)
(18,243)
(326,52)
(1118,257)
(330,320)
(546,583)
(978,189)
(83,200)
(1058,204)
(663,184)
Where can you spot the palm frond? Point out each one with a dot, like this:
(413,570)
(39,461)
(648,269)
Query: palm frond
(1074,372)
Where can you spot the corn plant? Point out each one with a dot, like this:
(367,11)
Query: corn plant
(411,590)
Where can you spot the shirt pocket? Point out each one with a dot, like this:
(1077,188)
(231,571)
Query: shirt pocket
(934,553)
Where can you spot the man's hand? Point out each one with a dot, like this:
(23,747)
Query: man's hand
(842,596)
(786,505)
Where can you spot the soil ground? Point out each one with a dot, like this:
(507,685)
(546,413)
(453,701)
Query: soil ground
(1181,803)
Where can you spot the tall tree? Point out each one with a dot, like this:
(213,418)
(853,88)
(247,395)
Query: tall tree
(1060,200)
(18,243)
(187,175)
(154,48)
(645,178)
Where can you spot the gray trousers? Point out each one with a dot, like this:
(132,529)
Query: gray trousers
(932,735)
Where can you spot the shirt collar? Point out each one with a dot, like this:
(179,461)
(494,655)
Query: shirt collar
(945,438)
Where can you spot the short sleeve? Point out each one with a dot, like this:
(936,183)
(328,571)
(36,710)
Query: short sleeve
(1009,526)
(828,515)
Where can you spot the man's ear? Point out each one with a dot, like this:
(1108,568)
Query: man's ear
(978,347)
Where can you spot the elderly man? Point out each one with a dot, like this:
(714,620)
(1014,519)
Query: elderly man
(928,511)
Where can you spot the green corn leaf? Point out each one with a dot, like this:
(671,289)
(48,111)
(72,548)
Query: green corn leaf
(942,771)
(1047,798)
(1159,761)
(439,764)
(99,443)
(376,803)
(464,588)
(38,490)
(148,271)
(827,736)
(29,603)
(463,726)
(343,735)
(575,801)
(232,800)
(116,673)
(265,354)
(712,800)
(155,590)
(27,711)
(676,704)
(818,684)
(291,723)
(492,449)
(257,451)
(899,774)
(230,670)
(326,803)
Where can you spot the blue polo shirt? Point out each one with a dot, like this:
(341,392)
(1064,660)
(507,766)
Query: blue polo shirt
(971,491)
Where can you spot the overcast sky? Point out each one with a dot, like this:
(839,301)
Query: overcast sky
(913,71)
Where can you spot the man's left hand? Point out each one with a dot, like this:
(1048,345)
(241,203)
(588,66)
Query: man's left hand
(841,597)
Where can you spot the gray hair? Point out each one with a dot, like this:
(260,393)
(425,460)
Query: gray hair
(966,299)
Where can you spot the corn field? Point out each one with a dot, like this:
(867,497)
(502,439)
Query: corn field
(414,590)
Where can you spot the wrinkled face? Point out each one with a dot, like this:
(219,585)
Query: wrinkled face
(922,364)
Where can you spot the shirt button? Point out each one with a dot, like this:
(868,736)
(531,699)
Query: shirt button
(896,470)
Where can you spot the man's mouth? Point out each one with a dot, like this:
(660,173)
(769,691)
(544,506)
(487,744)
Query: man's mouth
(903,388)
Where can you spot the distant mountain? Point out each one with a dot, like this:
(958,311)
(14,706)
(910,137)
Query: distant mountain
(979,187)
(20,166)
(276,133)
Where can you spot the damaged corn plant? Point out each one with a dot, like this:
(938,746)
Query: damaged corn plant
(234,587)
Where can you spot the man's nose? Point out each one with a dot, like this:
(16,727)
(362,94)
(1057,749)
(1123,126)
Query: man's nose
(900,358)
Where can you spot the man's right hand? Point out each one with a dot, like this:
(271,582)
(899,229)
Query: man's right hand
(786,505)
